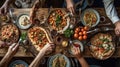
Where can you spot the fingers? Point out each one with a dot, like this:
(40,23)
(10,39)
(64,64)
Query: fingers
(12,46)
(117,32)
(15,47)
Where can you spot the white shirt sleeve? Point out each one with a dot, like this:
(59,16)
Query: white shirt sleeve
(110,10)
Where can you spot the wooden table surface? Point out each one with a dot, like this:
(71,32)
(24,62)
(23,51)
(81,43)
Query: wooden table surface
(22,53)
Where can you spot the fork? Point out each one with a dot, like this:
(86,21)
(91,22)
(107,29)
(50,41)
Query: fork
(13,17)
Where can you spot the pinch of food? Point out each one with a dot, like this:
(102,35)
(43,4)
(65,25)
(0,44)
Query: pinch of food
(24,23)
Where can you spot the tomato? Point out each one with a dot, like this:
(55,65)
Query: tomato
(80,38)
(77,29)
(84,37)
(75,35)
(84,32)
(101,50)
(82,29)
(80,33)
(86,28)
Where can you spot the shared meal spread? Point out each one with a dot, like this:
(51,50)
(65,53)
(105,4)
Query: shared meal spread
(102,46)
(9,33)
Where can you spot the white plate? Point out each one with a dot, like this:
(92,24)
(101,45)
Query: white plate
(20,19)
(93,10)
(76,42)
(53,57)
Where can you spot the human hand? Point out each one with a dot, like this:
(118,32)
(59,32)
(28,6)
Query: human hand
(13,49)
(33,11)
(117,28)
(48,47)
(4,8)
(76,52)
(70,6)
(2,43)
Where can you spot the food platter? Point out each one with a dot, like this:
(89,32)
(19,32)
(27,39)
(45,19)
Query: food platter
(102,46)
(9,33)
(57,20)
(38,37)
(23,21)
(59,60)
(90,17)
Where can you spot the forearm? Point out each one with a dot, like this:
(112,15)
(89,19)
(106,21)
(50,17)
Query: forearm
(5,60)
(36,61)
(83,62)
(9,1)
(110,10)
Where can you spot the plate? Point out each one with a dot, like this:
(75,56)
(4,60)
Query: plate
(23,21)
(18,62)
(9,33)
(102,46)
(90,17)
(4,18)
(57,21)
(76,42)
(59,55)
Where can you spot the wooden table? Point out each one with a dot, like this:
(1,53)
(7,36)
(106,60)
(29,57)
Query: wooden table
(21,52)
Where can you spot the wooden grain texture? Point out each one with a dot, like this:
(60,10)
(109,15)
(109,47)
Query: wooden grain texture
(44,11)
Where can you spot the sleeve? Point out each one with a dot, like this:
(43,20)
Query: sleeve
(110,10)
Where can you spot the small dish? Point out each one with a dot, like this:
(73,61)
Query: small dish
(90,17)
(53,59)
(4,18)
(23,21)
(78,44)
(18,62)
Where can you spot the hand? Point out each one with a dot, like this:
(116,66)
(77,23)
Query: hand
(117,28)
(2,43)
(70,6)
(13,49)
(48,47)
(4,8)
(34,9)
(76,52)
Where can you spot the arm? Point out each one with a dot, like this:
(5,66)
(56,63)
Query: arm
(70,6)
(4,8)
(77,53)
(112,14)
(36,61)
(8,56)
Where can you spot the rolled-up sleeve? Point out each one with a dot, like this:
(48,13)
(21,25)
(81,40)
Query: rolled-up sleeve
(110,10)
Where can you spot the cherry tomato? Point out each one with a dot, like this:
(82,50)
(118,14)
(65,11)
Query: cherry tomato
(76,32)
(77,29)
(86,28)
(84,37)
(84,32)
(82,29)
(80,33)
(75,35)
(80,38)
